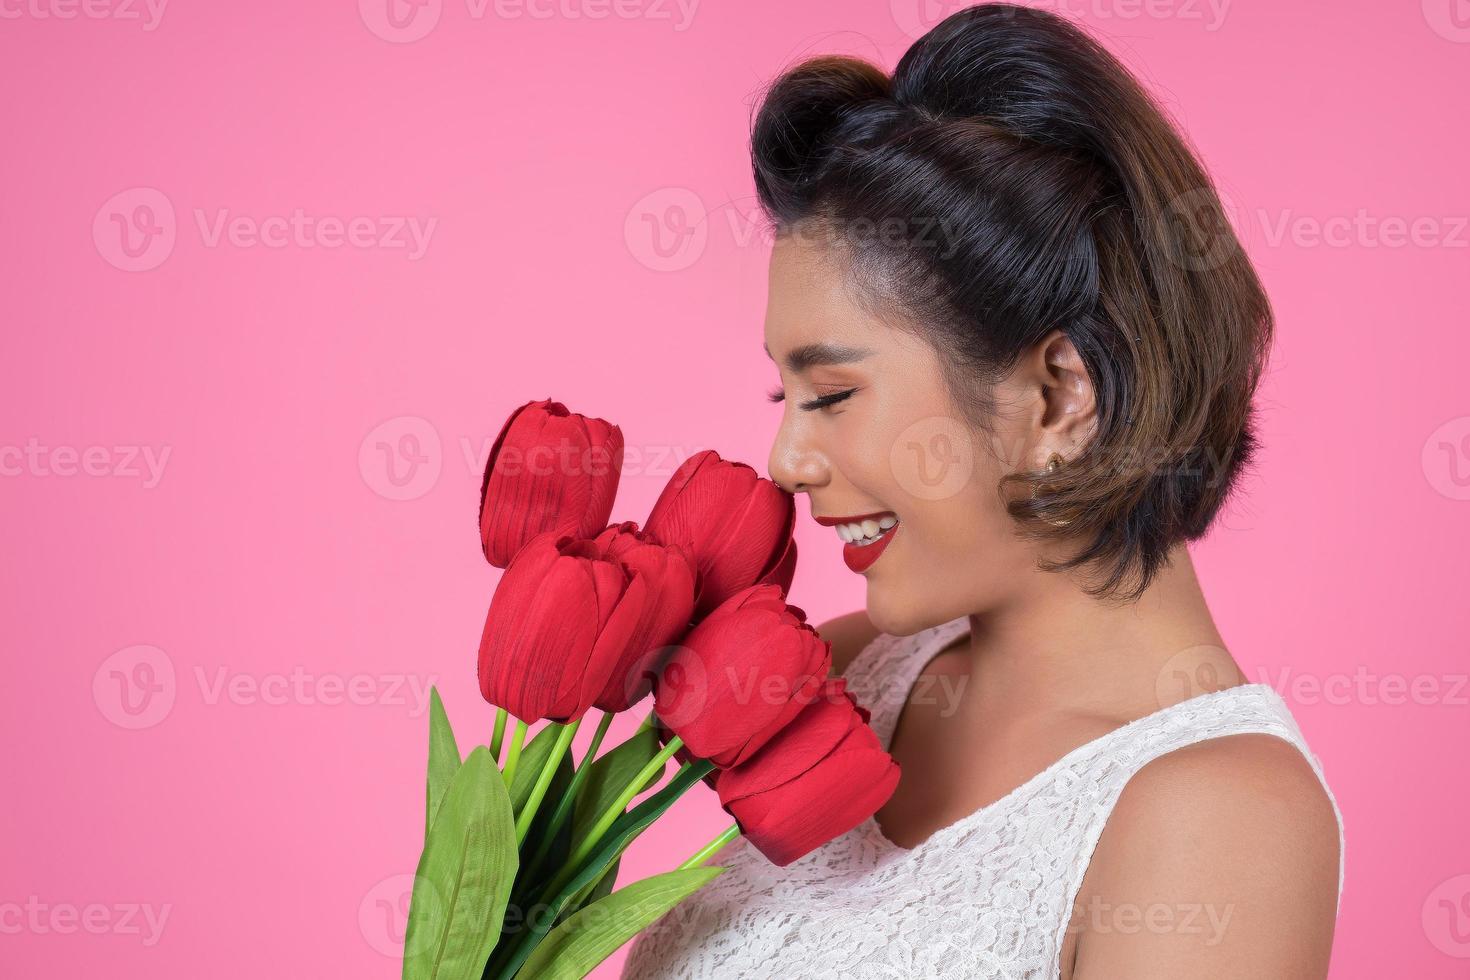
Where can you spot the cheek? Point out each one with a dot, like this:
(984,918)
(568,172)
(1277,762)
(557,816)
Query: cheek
(954,507)
(935,462)
(970,521)
(958,556)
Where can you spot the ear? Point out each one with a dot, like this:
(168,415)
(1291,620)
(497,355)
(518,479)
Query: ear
(1065,402)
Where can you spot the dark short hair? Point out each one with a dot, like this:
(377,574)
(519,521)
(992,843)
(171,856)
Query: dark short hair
(1010,178)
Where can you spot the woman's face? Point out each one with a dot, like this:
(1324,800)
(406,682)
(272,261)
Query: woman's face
(896,444)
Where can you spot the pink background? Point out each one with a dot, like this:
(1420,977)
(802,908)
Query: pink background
(284,597)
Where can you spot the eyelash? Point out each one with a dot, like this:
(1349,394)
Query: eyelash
(777,395)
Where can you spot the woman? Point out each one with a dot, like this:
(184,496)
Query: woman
(1018,345)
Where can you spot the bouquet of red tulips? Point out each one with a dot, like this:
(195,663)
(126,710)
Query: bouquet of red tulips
(520,859)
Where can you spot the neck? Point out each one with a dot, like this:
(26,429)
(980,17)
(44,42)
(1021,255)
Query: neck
(1055,648)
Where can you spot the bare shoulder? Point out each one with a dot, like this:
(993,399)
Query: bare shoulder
(1226,853)
(848,634)
(1251,789)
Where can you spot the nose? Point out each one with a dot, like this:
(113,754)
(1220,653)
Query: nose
(797,466)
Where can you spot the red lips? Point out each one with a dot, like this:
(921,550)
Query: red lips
(855,519)
(860,557)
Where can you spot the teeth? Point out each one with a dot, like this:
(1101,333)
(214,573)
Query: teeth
(865,532)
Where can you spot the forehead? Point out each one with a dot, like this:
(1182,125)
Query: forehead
(811,303)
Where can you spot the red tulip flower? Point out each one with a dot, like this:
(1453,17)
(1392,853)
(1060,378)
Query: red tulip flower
(736,524)
(784,570)
(575,622)
(816,779)
(740,675)
(661,578)
(549,470)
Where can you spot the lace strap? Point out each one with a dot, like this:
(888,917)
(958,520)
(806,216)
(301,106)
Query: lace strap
(883,673)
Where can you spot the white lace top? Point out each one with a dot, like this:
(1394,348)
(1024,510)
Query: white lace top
(987,896)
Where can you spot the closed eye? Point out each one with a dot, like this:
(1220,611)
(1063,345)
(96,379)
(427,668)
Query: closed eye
(777,395)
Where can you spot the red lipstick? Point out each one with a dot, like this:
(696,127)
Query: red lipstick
(854,519)
(859,557)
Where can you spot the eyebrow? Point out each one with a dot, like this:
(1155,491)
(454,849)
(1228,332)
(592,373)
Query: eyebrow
(810,355)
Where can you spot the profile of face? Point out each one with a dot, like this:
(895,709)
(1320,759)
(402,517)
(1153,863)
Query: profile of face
(896,441)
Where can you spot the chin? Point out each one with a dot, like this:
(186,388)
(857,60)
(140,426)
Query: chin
(898,615)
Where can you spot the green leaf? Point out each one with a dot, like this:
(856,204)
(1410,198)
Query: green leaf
(444,759)
(609,776)
(572,949)
(597,891)
(604,884)
(464,877)
(627,827)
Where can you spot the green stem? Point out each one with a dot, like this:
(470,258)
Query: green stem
(568,799)
(497,735)
(502,966)
(611,814)
(704,853)
(513,756)
(543,778)
(647,722)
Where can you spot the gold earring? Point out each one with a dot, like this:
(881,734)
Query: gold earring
(1053,463)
